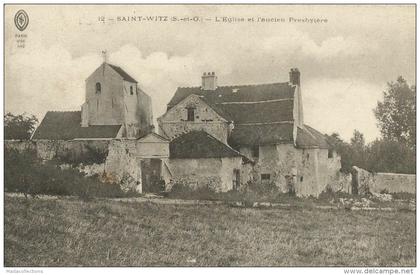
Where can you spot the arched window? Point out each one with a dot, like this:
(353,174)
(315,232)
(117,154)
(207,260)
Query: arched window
(98,88)
(131,90)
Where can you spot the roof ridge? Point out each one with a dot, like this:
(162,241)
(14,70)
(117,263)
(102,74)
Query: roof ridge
(233,86)
(62,111)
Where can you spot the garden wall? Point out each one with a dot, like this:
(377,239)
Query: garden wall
(383,182)
(112,160)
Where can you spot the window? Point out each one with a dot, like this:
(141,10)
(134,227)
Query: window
(236,179)
(131,90)
(190,114)
(98,88)
(255,151)
(265,178)
(330,153)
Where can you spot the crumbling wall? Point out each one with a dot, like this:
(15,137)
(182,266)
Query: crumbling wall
(216,173)
(119,166)
(308,177)
(394,183)
(383,182)
(20,145)
(123,166)
(196,173)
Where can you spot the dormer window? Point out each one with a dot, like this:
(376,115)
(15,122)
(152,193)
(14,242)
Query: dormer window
(98,88)
(131,90)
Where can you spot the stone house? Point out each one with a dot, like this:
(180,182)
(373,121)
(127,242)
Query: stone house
(263,123)
(198,158)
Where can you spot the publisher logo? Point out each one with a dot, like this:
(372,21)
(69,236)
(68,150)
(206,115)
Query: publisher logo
(21,20)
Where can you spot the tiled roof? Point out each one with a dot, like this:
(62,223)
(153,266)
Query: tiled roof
(122,73)
(308,137)
(66,126)
(274,111)
(262,114)
(261,134)
(241,93)
(200,144)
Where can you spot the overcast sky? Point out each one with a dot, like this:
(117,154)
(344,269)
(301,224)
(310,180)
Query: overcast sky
(344,63)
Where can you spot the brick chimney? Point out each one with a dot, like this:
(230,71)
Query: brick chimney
(209,81)
(294,76)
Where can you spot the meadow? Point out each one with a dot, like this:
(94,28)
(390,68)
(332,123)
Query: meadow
(103,232)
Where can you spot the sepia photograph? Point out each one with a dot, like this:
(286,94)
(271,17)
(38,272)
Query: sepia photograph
(210,135)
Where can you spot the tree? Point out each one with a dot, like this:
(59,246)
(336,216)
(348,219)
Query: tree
(343,149)
(19,126)
(390,156)
(358,149)
(353,153)
(396,114)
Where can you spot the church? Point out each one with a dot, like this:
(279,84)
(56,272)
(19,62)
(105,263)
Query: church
(115,107)
(223,137)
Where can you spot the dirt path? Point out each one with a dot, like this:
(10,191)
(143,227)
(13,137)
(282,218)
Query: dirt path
(162,200)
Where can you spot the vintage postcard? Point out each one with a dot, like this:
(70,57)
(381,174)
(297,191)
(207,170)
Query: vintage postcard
(210,135)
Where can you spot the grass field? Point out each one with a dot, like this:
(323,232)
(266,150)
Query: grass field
(71,232)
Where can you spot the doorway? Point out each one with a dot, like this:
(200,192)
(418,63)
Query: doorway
(236,179)
(151,176)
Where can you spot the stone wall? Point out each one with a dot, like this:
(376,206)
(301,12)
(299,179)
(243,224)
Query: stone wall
(383,182)
(174,122)
(216,173)
(306,171)
(106,107)
(119,166)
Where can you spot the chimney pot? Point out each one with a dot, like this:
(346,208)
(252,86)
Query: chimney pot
(209,81)
(294,76)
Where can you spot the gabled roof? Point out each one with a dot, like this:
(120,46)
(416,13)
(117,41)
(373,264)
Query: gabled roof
(238,93)
(262,114)
(122,73)
(67,126)
(200,144)
(153,137)
(308,137)
(246,104)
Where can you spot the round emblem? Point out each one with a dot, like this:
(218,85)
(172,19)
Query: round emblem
(21,20)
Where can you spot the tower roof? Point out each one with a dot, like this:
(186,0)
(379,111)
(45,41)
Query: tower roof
(122,73)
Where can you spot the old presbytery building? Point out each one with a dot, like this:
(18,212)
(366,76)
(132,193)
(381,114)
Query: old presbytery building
(220,136)
(264,123)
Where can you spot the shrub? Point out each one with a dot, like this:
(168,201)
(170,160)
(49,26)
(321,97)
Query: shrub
(183,191)
(384,191)
(251,193)
(26,174)
(90,155)
(403,196)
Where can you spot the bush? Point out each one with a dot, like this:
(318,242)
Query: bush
(26,174)
(90,155)
(182,191)
(251,193)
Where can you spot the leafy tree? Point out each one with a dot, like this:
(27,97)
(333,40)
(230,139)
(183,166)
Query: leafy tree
(358,149)
(343,149)
(396,114)
(390,156)
(19,126)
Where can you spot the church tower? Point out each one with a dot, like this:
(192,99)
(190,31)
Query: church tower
(114,98)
